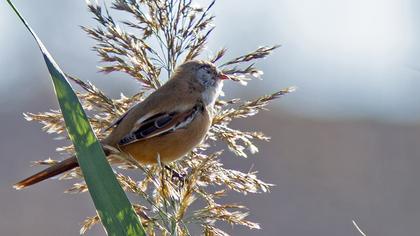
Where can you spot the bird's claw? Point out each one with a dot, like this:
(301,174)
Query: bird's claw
(181,177)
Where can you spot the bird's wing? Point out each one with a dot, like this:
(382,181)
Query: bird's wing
(161,123)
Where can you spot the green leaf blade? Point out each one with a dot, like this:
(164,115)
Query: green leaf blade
(113,207)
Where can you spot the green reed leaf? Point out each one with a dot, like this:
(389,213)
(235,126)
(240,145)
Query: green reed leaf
(114,208)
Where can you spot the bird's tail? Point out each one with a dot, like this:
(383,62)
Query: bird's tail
(63,166)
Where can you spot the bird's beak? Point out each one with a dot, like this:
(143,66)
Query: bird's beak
(222,76)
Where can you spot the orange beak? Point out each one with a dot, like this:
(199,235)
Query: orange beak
(222,76)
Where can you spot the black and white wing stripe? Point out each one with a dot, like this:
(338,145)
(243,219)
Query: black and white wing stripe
(160,124)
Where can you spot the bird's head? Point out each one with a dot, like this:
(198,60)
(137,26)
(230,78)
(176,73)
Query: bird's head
(205,76)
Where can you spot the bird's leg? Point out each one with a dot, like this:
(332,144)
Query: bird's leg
(176,175)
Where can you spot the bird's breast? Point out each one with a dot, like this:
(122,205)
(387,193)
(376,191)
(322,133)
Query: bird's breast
(171,146)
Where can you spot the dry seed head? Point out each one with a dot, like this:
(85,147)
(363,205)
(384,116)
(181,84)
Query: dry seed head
(158,36)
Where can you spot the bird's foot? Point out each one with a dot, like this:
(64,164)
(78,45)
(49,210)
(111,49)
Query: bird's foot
(180,177)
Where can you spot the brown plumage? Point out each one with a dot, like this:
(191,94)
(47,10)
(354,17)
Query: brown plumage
(169,123)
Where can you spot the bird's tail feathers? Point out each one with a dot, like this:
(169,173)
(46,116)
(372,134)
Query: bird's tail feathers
(61,167)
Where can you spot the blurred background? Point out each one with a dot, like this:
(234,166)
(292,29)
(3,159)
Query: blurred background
(344,147)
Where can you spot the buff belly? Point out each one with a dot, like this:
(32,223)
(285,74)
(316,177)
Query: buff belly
(171,146)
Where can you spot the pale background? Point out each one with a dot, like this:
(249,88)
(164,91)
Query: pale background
(345,146)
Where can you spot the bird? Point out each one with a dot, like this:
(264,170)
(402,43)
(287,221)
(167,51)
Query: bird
(168,124)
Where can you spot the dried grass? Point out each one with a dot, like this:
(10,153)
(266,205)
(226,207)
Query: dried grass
(159,35)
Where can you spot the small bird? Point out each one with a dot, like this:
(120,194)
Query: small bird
(169,123)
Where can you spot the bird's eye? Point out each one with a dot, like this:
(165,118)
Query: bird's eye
(206,74)
(206,69)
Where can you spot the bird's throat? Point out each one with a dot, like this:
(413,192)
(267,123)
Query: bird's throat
(211,93)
